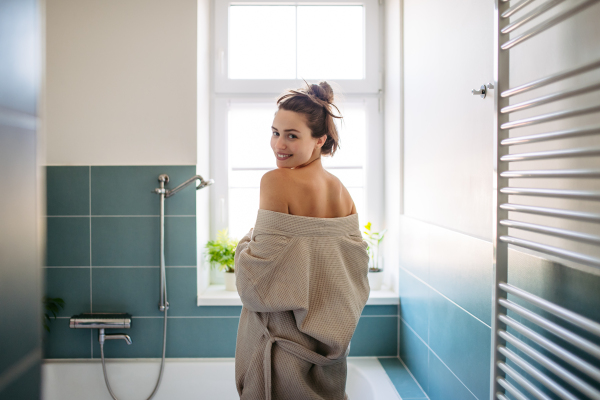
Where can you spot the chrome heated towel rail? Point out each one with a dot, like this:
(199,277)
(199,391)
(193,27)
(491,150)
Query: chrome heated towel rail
(542,350)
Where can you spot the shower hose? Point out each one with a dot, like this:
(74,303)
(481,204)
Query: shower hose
(162,363)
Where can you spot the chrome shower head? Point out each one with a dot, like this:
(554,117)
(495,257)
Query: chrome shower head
(163,178)
(204,183)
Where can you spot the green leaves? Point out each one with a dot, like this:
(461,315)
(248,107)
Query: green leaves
(373,239)
(222,251)
(52,304)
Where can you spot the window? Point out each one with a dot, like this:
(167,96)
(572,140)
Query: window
(262,49)
(255,52)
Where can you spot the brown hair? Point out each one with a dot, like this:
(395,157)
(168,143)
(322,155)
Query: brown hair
(315,102)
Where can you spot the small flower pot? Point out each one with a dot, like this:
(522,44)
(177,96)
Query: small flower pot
(230,281)
(375,279)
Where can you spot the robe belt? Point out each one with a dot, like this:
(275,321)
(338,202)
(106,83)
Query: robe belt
(296,349)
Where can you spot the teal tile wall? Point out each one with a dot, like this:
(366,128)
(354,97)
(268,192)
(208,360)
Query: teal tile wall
(103,256)
(445,308)
(404,383)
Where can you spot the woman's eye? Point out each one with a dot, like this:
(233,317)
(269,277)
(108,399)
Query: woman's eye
(292,136)
(275,133)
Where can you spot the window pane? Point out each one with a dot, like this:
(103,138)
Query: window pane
(243,208)
(358,196)
(352,137)
(262,42)
(330,42)
(350,178)
(249,135)
(246,179)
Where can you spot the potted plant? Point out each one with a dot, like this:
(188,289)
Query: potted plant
(222,252)
(375,263)
(51,304)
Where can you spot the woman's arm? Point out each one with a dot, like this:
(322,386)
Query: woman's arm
(263,282)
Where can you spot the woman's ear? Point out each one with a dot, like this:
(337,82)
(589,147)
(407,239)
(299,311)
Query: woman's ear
(321,141)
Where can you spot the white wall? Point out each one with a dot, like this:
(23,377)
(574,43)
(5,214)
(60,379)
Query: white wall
(392,136)
(121,82)
(203,115)
(448,131)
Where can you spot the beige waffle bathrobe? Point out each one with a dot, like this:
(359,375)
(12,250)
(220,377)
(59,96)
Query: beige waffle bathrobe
(303,284)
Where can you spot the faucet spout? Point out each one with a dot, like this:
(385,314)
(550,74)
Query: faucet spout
(102,336)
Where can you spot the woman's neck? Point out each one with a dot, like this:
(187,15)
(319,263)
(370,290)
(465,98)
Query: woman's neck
(313,162)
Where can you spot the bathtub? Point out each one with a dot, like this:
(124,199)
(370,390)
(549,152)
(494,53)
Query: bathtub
(183,378)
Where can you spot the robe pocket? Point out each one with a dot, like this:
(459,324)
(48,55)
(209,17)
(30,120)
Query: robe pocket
(358,239)
(268,245)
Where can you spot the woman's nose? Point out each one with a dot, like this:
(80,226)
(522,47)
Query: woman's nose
(280,144)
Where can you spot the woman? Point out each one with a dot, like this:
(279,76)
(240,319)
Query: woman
(301,272)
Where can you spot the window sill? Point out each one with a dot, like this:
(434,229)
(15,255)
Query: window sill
(216,295)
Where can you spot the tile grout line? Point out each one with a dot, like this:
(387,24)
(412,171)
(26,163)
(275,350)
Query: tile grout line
(115,216)
(223,316)
(390,316)
(120,266)
(398,332)
(90,214)
(414,379)
(389,378)
(438,357)
(443,295)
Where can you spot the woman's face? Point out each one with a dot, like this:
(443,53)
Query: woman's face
(291,140)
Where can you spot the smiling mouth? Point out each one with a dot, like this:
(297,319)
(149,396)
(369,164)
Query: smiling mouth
(283,156)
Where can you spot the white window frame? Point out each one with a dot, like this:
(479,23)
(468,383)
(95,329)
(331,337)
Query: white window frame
(225,91)
(222,84)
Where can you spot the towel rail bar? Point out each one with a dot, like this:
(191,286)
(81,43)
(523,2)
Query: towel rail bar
(530,15)
(561,312)
(515,8)
(557,135)
(553,251)
(547,24)
(538,83)
(540,119)
(553,328)
(538,375)
(558,351)
(592,195)
(547,230)
(510,389)
(521,380)
(551,366)
(552,173)
(550,98)
(544,155)
(552,212)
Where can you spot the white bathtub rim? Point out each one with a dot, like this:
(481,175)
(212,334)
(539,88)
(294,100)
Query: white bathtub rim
(369,367)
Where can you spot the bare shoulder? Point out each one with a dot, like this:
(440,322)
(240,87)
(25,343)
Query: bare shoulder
(275,178)
(273,187)
(344,194)
(348,199)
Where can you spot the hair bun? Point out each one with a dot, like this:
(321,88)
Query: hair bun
(322,91)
